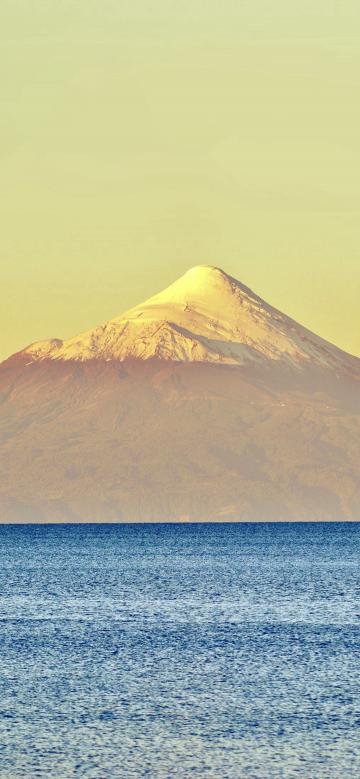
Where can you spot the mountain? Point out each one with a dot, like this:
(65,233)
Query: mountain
(203,403)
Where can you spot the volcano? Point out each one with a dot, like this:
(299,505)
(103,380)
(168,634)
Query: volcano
(204,403)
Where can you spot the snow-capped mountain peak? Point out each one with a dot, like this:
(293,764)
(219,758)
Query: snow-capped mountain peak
(204,316)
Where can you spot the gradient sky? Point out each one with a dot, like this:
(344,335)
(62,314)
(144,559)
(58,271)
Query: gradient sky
(141,137)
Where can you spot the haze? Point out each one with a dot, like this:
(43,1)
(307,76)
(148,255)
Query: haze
(139,139)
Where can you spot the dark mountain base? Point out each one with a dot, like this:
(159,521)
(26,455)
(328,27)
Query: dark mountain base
(165,441)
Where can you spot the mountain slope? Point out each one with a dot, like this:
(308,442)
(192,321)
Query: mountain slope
(204,403)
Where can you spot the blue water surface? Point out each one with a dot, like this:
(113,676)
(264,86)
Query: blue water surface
(220,651)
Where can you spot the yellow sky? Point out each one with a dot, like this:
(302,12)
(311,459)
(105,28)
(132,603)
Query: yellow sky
(140,137)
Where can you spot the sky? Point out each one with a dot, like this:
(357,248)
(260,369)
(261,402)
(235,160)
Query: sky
(141,137)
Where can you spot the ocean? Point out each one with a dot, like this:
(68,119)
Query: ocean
(227,651)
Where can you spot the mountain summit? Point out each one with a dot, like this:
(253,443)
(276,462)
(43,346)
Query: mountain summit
(204,316)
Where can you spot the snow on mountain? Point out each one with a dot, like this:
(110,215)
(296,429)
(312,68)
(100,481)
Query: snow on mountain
(205,316)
